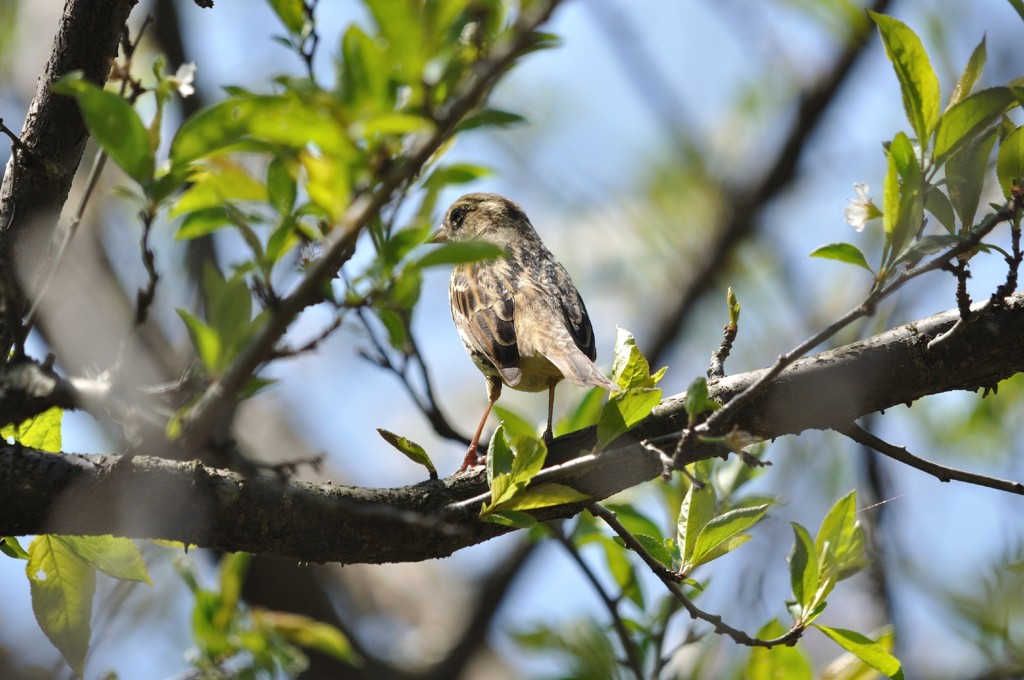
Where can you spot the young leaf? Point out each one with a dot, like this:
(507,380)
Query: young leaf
(696,401)
(530,453)
(918,82)
(291,13)
(966,171)
(865,649)
(544,496)
(840,542)
(10,546)
(656,548)
(968,119)
(843,252)
(42,431)
(410,449)
(624,410)
(514,423)
(1010,161)
(803,570)
(696,511)
(971,73)
(309,633)
(510,518)
(722,529)
(115,556)
(938,204)
(62,586)
(586,413)
(630,367)
(115,125)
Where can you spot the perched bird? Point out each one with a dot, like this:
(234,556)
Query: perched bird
(520,317)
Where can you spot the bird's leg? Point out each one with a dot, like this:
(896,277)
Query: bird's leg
(472,457)
(551,409)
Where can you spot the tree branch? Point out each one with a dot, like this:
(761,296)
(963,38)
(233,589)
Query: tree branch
(155,498)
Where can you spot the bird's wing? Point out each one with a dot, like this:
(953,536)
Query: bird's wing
(484,309)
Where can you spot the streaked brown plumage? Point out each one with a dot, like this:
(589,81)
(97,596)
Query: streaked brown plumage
(520,317)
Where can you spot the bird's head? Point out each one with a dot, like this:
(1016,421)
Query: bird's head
(485,217)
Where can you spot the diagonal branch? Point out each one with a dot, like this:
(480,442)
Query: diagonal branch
(154,498)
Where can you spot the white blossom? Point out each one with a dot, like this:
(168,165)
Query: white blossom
(184,78)
(860,209)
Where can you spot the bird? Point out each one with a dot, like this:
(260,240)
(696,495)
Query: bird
(519,316)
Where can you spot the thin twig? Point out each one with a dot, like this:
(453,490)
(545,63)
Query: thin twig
(633,659)
(1009,211)
(19,146)
(940,472)
(144,296)
(670,578)
(1013,263)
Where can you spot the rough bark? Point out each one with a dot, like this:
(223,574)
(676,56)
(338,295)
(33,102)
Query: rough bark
(155,498)
(39,174)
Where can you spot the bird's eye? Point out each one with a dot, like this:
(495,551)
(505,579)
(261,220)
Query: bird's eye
(457,215)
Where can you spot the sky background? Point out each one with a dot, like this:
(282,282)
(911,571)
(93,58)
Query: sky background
(581,169)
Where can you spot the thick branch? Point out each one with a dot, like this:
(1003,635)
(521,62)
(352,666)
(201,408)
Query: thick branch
(154,498)
(36,183)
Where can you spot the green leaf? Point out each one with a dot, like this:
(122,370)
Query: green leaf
(890,202)
(724,528)
(865,649)
(281,184)
(114,123)
(410,449)
(843,252)
(840,542)
(327,183)
(629,366)
(530,453)
(544,496)
(1019,6)
(42,431)
(62,586)
(634,521)
(586,413)
(499,457)
(514,423)
(10,546)
(389,124)
(624,410)
(273,119)
(803,569)
(203,222)
(696,402)
(656,547)
(1010,161)
(292,14)
(966,171)
(971,73)
(206,341)
(969,119)
(511,518)
(918,83)
(490,118)
(223,180)
(309,633)
(458,252)
(115,556)
(696,510)
(781,662)
(938,204)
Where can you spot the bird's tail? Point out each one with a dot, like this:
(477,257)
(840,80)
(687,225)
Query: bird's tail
(579,369)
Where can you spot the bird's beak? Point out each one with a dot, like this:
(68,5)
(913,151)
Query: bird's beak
(438,236)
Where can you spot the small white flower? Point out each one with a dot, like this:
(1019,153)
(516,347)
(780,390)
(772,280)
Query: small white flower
(860,209)
(183,79)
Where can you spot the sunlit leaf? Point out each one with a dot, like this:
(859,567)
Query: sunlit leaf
(544,496)
(865,649)
(724,528)
(918,83)
(1010,161)
(410,449)
(115,556)
(803,568)
(624,410)
(966,172)
(843,252)
(457,252)
(309,633)
(114,123)
(62,586)
(971,73)
(969,119)
(41,432)
(781,662)
(292,14)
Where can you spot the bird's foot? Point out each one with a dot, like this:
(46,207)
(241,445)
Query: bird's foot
(472,459)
